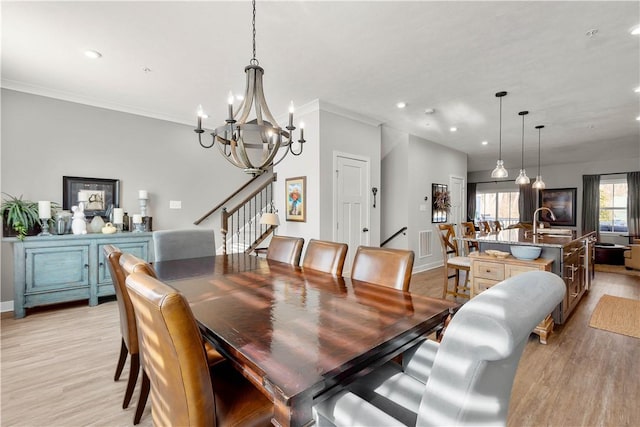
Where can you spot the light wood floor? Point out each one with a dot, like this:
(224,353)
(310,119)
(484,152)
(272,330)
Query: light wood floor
(57,367)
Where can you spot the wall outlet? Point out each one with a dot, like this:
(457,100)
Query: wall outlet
(423,208)
(175,204)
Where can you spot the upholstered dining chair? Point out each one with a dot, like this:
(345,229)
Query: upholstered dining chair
(453,259)
(467,379)
(183,243)
(130,264)
(128,331)
(382,266)
(183,390)
(325,256)
(285,249)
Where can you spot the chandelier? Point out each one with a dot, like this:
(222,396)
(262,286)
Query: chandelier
(252,145)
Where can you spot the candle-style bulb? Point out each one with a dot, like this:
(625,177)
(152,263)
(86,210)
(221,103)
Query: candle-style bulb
(291,108)
(230,98)
(201,112)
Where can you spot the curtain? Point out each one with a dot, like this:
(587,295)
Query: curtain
(633,204)
(471,201)
(527,202)
(591,204)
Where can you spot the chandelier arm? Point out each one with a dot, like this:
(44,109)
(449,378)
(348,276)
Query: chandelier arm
(206,146)
(293,152)
(221,144)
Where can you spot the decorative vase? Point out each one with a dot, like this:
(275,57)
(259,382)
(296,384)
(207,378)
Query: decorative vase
(96,224)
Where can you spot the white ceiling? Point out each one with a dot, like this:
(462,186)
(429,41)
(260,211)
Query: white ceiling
(362,56)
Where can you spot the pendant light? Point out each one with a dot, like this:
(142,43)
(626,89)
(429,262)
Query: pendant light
(522,178)
(500,171)
(539,183)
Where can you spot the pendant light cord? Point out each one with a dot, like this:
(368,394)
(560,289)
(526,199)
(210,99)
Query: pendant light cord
(254,60)
(539,151)
(500,133)
(523,141)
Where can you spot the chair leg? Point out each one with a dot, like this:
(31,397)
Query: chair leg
(142,399)
(133,376)
(456,289)
(123,358)
(445,289)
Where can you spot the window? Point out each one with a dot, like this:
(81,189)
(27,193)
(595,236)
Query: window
(613,205)
(500,205)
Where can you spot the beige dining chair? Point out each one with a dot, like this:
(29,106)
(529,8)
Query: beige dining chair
(382,266)
(183,390)
(128,265)
(285,249)
(325,256)
(453,260)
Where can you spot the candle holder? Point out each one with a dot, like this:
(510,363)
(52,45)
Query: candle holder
(44,222)
(143,206)
(44,213)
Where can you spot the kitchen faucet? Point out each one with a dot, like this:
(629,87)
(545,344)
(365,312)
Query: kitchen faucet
(535,213)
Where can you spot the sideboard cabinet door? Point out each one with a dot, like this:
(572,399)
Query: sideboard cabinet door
(105,283)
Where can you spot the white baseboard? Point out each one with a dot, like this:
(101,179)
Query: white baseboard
(426,267)
(6,306)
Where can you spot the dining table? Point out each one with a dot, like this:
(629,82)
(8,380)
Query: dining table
(299,335)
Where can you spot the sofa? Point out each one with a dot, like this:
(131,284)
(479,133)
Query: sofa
(632,255)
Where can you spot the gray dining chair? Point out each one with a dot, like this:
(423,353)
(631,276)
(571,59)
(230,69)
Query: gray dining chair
(464,380)
(183,243)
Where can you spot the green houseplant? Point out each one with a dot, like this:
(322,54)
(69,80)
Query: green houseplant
(19,217)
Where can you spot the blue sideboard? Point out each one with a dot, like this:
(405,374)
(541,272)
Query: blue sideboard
(69,267)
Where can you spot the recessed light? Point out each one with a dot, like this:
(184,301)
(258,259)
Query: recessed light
(401,104)
(485,142)
(637,90)
(453,129)
(635,30)
(591,33)
(638,118)
(429,111)
(93,54)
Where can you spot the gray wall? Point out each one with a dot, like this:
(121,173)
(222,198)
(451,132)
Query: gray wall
(44,139)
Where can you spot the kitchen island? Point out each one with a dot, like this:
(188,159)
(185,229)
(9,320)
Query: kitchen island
(572,258)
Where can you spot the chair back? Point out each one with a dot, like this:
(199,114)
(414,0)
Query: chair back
(497,227)
(285,249)
(182,244)
(469,230)
(325,256)
(382,266)
(130,263)
(447,241)
(480,351)
(485,227)
(171,347)
(127,316)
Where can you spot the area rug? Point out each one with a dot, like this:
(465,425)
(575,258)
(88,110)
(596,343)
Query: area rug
(616,314)
(620,269)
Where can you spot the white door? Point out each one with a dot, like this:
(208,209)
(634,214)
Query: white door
(458,196)
(351,201)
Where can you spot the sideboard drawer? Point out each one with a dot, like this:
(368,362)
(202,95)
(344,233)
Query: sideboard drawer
(488,270)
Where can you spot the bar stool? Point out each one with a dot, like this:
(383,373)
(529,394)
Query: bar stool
(453,260)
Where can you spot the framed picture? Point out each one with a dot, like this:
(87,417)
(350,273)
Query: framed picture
(562,202)
(441,203)
(101,195)
(296,197)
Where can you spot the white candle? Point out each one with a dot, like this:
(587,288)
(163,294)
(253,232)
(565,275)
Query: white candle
(44,209)
(118,215)
(142,194)
(82,196)
(137,219)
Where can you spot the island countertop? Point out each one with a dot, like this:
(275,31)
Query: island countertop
(519,236)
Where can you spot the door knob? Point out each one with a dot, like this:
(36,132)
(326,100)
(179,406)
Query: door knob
(364,230)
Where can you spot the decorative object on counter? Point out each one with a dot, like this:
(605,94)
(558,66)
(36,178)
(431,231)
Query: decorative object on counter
(296,198)
(109,228)
(239,139)
(96,194)
(126,224)
(79,223)
(44,213)
(138,227)
(539,184)
(560,201)
(19,217)
(96,224)
(497,254)
(118,218)
(500,171)
(63,222)
(522,179)
(525,252)
(143,199)
(441,203)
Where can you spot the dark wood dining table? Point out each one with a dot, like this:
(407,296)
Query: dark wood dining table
(298,334)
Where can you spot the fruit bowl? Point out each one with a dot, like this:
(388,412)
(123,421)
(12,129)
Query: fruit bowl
(526,252)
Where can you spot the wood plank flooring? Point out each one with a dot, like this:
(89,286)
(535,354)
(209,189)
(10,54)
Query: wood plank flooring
(57,367)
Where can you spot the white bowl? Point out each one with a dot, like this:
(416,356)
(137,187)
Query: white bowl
(526,252)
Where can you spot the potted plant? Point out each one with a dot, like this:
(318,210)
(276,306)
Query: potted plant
(19,217)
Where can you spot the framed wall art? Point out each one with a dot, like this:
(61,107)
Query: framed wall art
(562,202)
(296,197)
(441,203)
(100,194)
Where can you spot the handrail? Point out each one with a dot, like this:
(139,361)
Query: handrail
(253,194)
(402,230)
(219,205)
